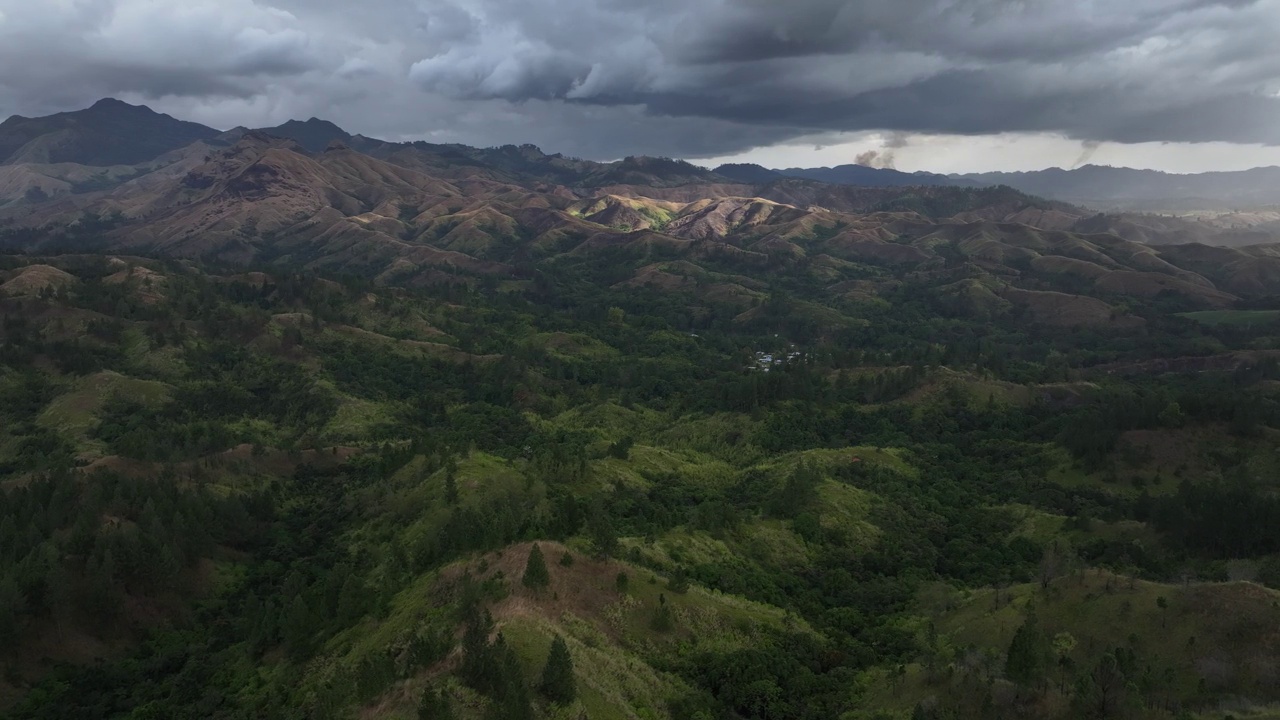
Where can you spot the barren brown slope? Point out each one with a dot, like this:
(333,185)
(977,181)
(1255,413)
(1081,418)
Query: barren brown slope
(719,218)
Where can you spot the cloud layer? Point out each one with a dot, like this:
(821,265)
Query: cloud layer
(604,78)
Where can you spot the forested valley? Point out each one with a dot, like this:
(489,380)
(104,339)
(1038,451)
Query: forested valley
(242,494)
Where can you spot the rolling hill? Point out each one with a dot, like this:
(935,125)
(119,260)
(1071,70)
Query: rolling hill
(284,415)
(415,216)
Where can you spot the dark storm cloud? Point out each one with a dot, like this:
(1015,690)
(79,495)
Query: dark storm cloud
(604,78)
(59,50)
(1178,70)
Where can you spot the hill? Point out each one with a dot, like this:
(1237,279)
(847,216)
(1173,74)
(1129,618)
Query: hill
(415,215)
(749,174)
(1112,187)
(1226,199)
(108,133)
(882,177)
(314,135)
(281,427)
(746,457)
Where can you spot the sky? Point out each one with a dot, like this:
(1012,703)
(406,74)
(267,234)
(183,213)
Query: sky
(939,85)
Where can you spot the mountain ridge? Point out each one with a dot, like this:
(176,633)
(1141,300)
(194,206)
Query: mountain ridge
(309,194)
(115,133)
(322,426)
(110,132)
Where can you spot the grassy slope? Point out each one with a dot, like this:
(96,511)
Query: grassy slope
(610,633)
(1228,634)
(1234,317)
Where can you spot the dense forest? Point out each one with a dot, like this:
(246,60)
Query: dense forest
(233,494)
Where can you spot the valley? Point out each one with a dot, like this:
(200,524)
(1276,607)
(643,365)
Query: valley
(302,424)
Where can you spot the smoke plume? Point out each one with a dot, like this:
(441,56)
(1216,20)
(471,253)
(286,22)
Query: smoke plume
(1087,150)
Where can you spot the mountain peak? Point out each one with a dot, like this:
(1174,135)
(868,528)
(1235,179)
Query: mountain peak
(313,122)
(749,173)
(113,105)
(261,139)
(110,132)
(313,134)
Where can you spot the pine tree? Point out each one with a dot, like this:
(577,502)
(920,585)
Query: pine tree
(450,489)
(509,691)
(351,601)
(535,570)
(60,591)
(297,627)
(662,621)
(1029,653)
(799,492)
(1103,692)
(558,684)
(600,529)
(477,659)
(12,607)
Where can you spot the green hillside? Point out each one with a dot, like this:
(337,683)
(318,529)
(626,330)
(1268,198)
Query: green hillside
(269,494)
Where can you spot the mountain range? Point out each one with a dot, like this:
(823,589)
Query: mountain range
(301,423)
(109,133)
(308,194)
(1097,186)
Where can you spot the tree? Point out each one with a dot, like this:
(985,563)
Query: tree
(1063,644)
(1028,658)
(450,488)
(477,667)
(601,531)
(662,621)
(60,589)
(434,705)
(621,449)
(12,607)
(510,693)
(536,575)
(1172,416)
(622,582)
(298,627)
(799,492)
(558,683)
(351,601)
(1052,562)
(1102,693)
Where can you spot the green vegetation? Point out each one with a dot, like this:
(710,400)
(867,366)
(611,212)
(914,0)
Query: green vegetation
(288,496)
(535,570)
(557,677)
(1247,318)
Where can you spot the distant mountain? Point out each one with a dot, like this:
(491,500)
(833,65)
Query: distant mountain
(109,133)
(749,173)
(314,135)
(1150,189)
(426,209)
(875,177)
(1091,185)
(528,163)
(475,197)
